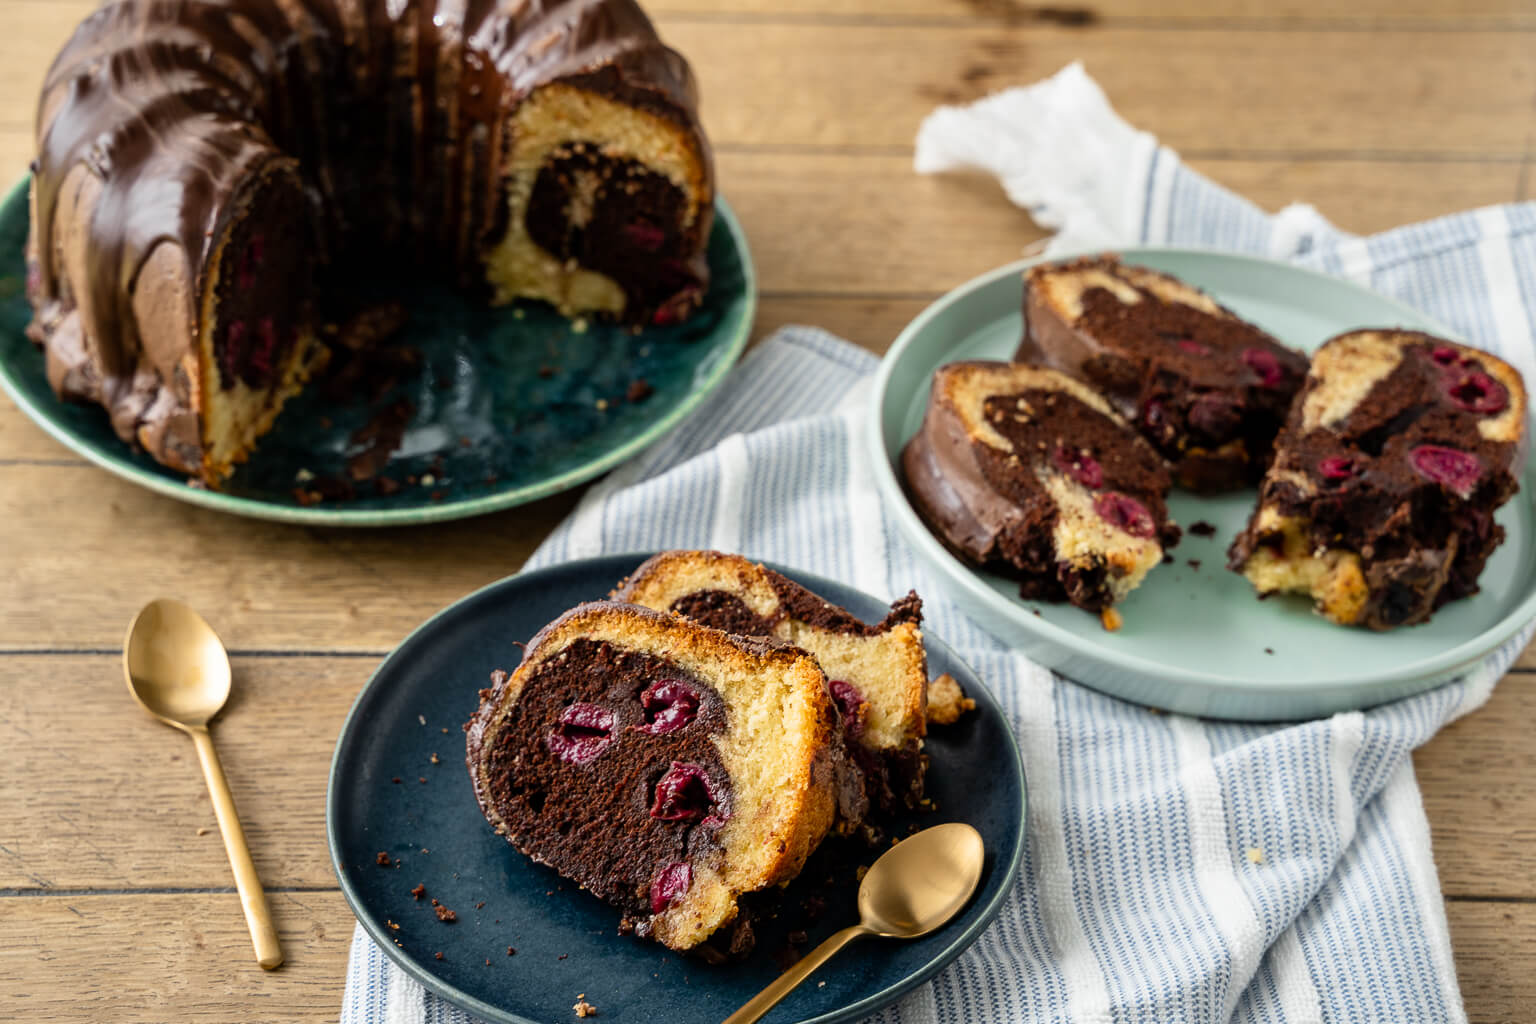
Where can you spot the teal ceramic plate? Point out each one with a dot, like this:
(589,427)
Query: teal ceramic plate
(507,405)
(405,727)
(1195,638)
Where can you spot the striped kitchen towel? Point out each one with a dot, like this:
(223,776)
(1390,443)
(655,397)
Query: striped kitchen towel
(1177,870)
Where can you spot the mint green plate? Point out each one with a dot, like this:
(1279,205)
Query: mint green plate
(508,405)
(1197,640)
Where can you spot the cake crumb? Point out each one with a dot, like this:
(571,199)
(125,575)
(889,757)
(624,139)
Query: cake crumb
(480,905)
(562,956)
(1201,528)
(518,313)
(395,780)
(821,984)
(1111,620)
(427,480)
(511,951)
(438,955)
(1194,563)
(861,872)
(1269,650)
(601,404)
(1255,855)
(382,859)
(639,390)
(422,719)
(421,779)
(392,926)
(579,325)
(435,759)
(946,701)
(443,730)
(445,915)
(203,831)
(303,476)
(584,1008)
(418,892)
(487,961)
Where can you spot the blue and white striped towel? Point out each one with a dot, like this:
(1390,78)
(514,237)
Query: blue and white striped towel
(1177,870)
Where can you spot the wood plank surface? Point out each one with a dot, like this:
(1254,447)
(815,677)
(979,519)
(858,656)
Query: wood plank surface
(199,967)
(92,817)
(1378,112)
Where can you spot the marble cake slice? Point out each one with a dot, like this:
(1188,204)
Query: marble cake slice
(1380,501)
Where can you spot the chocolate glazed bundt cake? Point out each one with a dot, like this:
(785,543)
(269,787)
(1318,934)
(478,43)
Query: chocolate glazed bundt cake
(1208,389)
(666,767)
(878,674)
(209,170)
(1380,501)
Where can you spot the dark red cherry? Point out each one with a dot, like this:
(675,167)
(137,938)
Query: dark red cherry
(1454,469)
(1476,392)
(1266,365)
(1079,465)
(1125,513)
(643,235)
(683,794)
(1445,355)
(851,704)
(1337,467)
(670,885)
(583,732)
(669,705)
(1215,416)
(1193,347)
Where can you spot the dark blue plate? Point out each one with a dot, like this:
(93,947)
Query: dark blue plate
(507,404)
(412,710)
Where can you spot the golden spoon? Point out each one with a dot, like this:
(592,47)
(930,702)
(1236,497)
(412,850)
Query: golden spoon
(178,671)
(916,886)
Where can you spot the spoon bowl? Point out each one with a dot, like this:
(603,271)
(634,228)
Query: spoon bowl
(178,671)
(176,667)
(915,887)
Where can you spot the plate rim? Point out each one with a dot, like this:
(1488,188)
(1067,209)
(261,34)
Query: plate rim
(853,1011)
(414,515)
(1209,690)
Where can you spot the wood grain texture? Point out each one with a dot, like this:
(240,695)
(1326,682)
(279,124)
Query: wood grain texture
(1378,112)
(83,958)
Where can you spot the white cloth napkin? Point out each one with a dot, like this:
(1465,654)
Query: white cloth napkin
(1177,870)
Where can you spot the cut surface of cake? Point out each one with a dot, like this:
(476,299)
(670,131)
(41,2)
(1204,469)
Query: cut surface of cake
(209,170)
(1208,389)
(664,766)
(1380,502)
(1027,471)
(878,674)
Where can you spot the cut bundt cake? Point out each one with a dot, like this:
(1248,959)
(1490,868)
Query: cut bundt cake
(1208,389)
(1028,472)
(1380,501)
(666,767)
(878,674)
(208,171)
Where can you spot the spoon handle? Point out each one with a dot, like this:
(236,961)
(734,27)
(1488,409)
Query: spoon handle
(258,917)
(785,983)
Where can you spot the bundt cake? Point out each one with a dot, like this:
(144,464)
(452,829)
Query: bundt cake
(1208,389)
(1380,501)
(1029,472)
(209,171)
(666,767)
(878,674)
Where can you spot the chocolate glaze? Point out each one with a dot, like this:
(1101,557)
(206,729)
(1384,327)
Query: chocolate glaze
(990,509)
(1421,543)
(1175,372)
(385,121)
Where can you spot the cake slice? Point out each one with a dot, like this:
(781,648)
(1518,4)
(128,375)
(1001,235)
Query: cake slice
(1027,471)
(1380,501)
(666,767)
(1208,389)
(878,674)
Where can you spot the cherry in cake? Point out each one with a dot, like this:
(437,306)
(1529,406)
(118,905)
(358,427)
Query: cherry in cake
(1207,389)
(666,767)
(878,674)
(1027,471)
(1380,501)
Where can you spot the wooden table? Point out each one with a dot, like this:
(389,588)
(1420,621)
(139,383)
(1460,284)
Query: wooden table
(115,895)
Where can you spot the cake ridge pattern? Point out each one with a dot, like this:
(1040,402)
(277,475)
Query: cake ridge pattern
(162,122)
